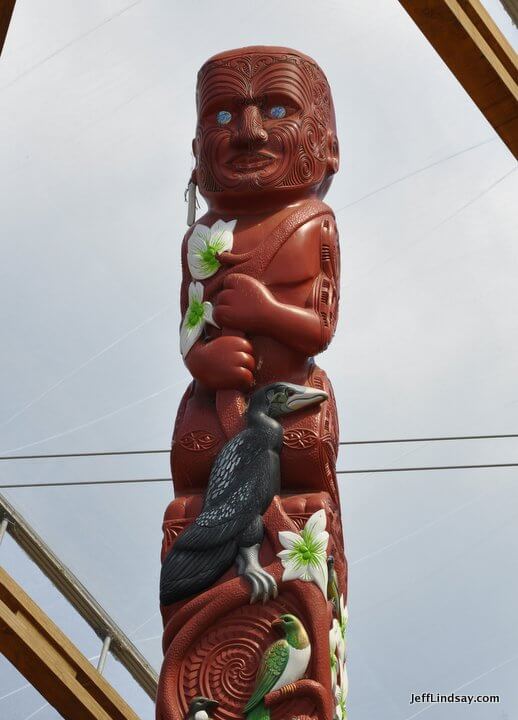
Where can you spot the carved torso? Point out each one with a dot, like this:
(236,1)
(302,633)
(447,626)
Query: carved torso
(303,272)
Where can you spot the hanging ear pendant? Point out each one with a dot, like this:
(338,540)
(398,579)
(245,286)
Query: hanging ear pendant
(191,203)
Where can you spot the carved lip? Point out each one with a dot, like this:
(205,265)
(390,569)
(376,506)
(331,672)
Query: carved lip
(251,162)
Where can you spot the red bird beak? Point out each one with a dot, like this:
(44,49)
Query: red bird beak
(277,624)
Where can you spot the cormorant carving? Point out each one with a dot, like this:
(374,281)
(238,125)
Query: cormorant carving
(243,481)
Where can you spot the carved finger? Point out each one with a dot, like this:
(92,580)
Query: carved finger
(244,378)
(226,297)
(246,360)
(228,258)
(244,345)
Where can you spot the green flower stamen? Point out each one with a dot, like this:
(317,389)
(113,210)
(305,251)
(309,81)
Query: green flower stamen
(195,313)
(209,259)
(307,550)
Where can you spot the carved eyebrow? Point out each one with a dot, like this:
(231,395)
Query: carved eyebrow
(226,86)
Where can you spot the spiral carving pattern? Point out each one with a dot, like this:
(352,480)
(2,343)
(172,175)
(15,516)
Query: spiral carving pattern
(223,663)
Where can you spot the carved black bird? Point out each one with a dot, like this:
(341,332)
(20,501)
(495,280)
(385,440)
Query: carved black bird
(200,708)
(243,480)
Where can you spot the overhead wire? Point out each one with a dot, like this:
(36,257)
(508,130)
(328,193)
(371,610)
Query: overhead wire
(114,453)
(133,481)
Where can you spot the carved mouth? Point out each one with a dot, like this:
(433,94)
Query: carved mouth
(250,162)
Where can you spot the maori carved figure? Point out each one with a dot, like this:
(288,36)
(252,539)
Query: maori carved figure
(254,576)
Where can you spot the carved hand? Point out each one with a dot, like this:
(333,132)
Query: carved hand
(225,363)
(245,304)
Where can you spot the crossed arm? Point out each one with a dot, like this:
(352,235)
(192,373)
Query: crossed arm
(245,305)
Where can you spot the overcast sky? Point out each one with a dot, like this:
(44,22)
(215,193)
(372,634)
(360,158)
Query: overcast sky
(97,115)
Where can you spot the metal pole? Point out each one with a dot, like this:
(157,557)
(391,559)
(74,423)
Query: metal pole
(104,653)
(3,528)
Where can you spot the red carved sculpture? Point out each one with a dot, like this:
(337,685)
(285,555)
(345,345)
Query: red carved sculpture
(259,300)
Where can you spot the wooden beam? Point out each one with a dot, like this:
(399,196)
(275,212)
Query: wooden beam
(6,11)
(51,662)
(479,56)
(75,592)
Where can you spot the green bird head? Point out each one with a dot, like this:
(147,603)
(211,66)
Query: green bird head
(294,631)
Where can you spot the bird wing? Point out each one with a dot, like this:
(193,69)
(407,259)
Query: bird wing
(234,460)
(232,499)
(270,670)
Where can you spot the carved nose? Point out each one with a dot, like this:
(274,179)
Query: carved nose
(250,131)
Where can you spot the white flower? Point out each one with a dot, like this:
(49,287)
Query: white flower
(342,675)
(197,314)
(343,618)
(204,244)
(334,634)
(304,557)
(340,699)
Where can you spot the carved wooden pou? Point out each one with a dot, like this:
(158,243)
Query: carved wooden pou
(254,576)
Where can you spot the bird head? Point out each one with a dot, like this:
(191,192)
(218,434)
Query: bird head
(282,398)
(293,630)
(198,704)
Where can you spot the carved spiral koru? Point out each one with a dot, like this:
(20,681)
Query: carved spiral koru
(224,662)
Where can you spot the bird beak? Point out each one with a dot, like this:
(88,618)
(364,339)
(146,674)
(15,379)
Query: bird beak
(277,624)
(306,397)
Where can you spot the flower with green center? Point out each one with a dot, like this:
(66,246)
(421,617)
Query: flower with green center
(304,556)
(197,314)
(205,243)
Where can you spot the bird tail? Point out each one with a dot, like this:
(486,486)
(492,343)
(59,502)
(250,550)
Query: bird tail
(186,572)
(258,712)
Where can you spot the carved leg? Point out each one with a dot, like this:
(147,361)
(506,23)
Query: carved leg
(263,584)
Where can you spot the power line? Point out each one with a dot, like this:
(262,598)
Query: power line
(338,472)
(431,467)
(108,453)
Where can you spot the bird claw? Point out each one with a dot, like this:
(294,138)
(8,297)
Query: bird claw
(263,584)
(264,587)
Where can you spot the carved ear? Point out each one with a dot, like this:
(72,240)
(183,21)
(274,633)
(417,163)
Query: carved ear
(333,153)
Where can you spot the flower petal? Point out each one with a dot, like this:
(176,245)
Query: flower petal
(188,336)
(199,239)
(195,292)
(288,539)
(344,612)
(316,523)
(318,573)
(198,269)
(222,236)
(222,226)
(284,555)
(321,542)
(291,571)
(208,311)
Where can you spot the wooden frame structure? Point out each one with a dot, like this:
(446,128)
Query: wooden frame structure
(68,584)
(51,662)
(6,12)
(479,56)
(44,655)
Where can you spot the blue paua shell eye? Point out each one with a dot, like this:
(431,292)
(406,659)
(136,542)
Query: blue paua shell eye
(223,117)
(277,112)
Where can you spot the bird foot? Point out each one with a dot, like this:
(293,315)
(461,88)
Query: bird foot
(263,584)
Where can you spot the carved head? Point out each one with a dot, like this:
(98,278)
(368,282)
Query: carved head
(266,125)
